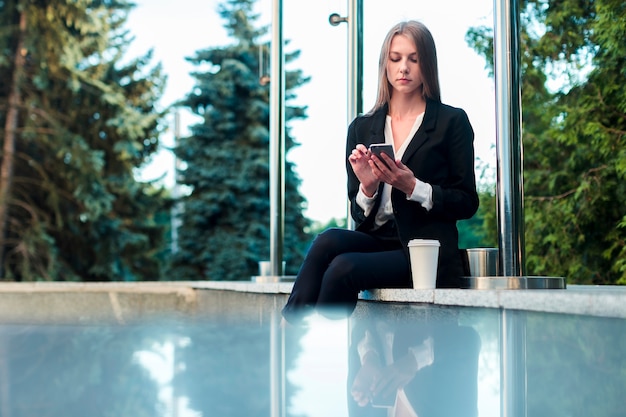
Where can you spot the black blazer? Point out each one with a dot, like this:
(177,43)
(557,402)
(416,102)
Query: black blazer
(441,154)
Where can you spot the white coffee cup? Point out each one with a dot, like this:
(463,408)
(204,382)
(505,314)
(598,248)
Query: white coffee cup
(424,256)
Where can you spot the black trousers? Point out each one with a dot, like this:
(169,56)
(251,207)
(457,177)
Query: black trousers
(341,263)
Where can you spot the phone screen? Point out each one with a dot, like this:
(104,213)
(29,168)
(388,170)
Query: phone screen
(383,401)
(379,148)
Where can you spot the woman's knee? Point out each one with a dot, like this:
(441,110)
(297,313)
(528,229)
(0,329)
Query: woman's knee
(340,272)
(328,241)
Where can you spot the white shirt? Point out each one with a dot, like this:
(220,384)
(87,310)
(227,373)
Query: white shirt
(422,193)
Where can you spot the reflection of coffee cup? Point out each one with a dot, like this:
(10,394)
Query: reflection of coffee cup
(424,256)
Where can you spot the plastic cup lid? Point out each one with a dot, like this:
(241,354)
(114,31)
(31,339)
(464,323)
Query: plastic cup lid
(424,242)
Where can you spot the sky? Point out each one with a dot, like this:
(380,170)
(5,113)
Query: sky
(177,29)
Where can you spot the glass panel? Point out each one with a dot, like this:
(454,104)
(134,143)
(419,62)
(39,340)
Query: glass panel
(431,361)
(320,158)
(576,365)
(407,360)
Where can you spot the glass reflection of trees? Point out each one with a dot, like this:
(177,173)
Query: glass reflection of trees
(74,371)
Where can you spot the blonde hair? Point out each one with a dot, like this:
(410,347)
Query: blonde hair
(427,59)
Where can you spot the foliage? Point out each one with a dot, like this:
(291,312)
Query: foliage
(595,385)
(77,120)
(574,135)
(225,224)
(318,227)
(481,230)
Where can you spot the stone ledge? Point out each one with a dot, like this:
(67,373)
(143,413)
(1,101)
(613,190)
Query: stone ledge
(78,303)
(123,301)
(603,301)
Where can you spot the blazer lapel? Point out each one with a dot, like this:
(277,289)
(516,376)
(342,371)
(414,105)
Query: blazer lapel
(377,130)
(377,135)
(421,136)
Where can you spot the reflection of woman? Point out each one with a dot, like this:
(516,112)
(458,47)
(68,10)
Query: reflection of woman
(421,194)
(413,369)
(382,375)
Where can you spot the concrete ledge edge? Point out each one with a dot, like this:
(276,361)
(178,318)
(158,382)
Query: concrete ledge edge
(605,301)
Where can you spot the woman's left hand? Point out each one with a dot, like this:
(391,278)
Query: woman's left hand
(394,173)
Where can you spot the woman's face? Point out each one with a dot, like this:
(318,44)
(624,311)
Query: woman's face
(403,70)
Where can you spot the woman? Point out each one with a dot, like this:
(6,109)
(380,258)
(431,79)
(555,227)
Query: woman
(421,194)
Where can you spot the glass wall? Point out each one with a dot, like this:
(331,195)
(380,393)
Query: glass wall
(465,83)
(387,359)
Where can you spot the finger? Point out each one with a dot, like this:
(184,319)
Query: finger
(391,163)
(380,165)
(375,169)
(360,398)
(386,159)
(381,171)
(360,154)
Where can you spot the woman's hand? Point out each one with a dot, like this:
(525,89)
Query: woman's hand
(395,376)
(365,380)
(394,173)
(360,161)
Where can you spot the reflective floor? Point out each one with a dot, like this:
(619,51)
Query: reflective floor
(387,360)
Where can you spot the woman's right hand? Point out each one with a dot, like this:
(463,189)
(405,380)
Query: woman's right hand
(359,160)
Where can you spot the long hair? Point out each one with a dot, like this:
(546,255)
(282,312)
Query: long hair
(426,56)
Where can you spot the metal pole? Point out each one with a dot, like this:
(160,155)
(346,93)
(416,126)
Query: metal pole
(278,396)
(355,69)
(177,208)
(513,380)
(510,193)
(276,373)
(355,58)
(510,182)
(277,141)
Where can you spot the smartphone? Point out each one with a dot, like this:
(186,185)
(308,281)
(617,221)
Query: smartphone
(383,401)
(379,148)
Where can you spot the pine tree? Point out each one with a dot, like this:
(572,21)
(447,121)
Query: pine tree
(225,223)
(78,121)
(574,137)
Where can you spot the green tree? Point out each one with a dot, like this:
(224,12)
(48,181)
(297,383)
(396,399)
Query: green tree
(226,216)
(77,121)
(574,135)
(481,230)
